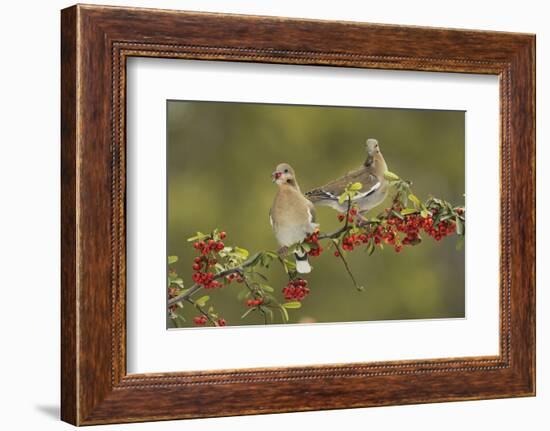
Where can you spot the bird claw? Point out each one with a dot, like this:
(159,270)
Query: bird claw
(283,251)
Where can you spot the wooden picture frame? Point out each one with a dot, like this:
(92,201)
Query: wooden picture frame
(95,43)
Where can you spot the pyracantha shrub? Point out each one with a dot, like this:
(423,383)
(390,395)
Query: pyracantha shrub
(216,265)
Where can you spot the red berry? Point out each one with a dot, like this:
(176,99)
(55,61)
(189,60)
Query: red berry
(341,217)
(296,290)
(222,322)
(337,254)
(222,235)
(199,320)
(196,267)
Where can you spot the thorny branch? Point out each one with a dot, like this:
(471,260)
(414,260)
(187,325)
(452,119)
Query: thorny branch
(398,226)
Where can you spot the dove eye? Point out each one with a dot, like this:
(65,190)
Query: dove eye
(286,171)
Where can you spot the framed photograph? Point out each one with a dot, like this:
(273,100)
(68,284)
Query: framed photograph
(322,214)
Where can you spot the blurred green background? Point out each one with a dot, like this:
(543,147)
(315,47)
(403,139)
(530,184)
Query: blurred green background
(220,159)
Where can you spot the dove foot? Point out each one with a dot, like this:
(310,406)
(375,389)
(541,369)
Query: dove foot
(283,251)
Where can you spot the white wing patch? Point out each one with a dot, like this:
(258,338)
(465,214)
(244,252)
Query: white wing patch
(368,192)
(361,195)
(271,220)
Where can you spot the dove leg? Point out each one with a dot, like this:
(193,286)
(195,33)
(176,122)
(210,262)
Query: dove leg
(283,251)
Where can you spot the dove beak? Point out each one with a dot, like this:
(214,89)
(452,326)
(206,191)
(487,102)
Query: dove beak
(275,176)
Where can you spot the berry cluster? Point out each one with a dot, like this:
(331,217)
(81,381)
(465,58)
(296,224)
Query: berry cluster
(412,224)
(254,302)
(398,231)
(208,250)
(296,289)
(209,246)
(200,320)
(350,241)
(351,216)
(388,234)
(316,248)
(204,278)
(234,277)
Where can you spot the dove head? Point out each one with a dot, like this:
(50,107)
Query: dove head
(284,174)
(372,147)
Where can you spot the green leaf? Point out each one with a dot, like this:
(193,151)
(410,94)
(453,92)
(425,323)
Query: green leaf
(390,176)
(305,246)
(425,213)
(290,265)
(266,258)
(459,226)
(247,312)
(355,187)
(241,252)
(201,302)
(182,292)
(267,288)
(260,275)
(414,200)
(197,237)
(371,247)
(343,198)
(416,241)
(396,214)
(172,260)
(408,211)
(255,260)
(178,281)
(269,313)
(292,304)
(179,314)
(284,314)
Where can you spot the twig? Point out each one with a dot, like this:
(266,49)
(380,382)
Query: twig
(343,229)
(341,255)
(201,310)
(335,234)
(259,293)
(196,287)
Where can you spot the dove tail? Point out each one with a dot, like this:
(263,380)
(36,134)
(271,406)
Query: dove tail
(302,263)
(320,195)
